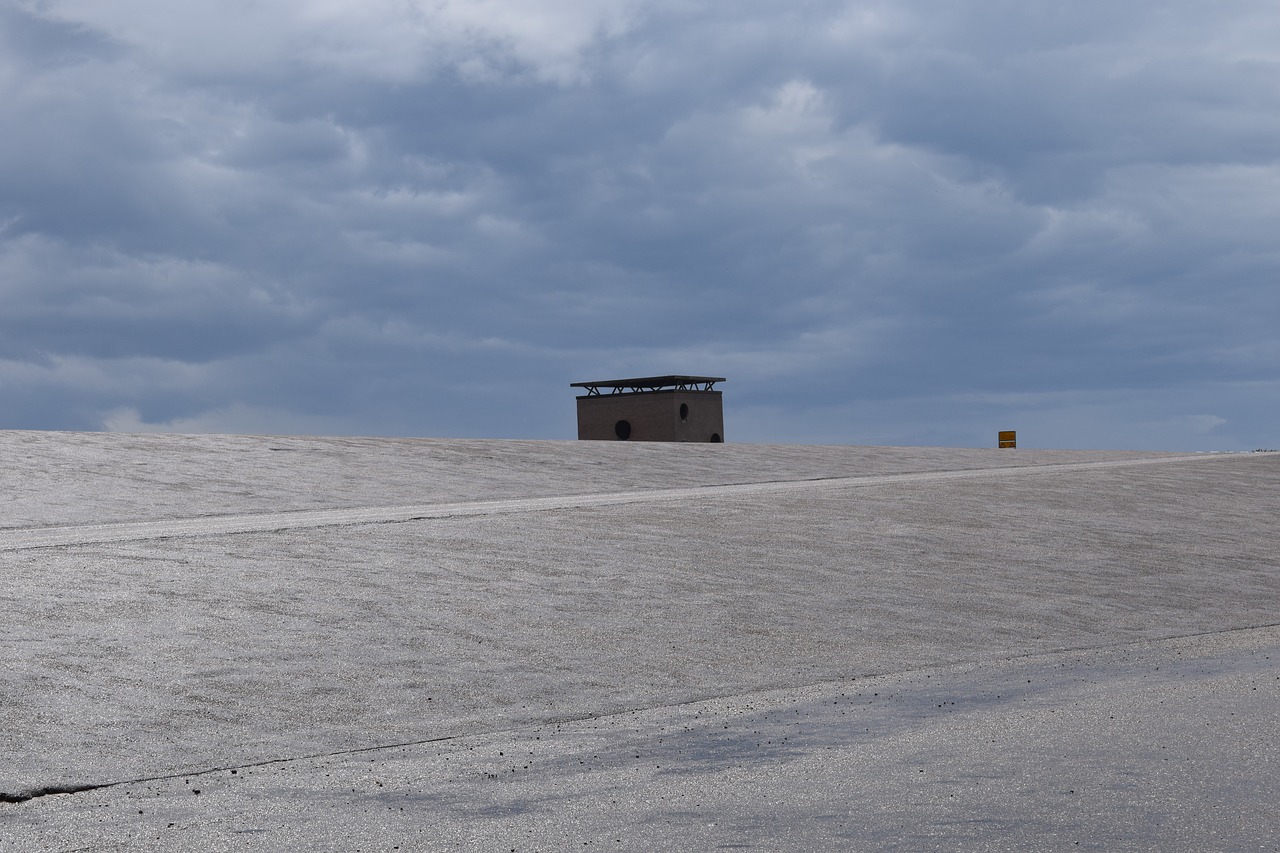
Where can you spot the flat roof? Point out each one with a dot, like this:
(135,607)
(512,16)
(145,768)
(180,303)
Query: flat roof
(650,383)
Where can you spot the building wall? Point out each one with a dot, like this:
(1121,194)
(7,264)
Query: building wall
(652,416)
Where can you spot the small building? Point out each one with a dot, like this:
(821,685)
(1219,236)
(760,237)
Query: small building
(651,408)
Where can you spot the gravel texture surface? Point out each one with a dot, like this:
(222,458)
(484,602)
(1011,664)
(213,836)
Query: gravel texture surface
(668,646)
(95,478)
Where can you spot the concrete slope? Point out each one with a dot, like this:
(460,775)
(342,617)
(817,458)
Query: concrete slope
(1156,746)
(391,648)
(95,478)
(14,539)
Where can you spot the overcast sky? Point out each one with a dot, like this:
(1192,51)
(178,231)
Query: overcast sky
(885,223)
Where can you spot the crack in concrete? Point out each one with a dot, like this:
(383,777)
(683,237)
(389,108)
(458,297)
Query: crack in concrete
(49,790)
(33,793)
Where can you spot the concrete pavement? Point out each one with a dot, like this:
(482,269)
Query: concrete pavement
(736,646)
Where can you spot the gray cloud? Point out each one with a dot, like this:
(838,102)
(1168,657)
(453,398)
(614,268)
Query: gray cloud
(884,222)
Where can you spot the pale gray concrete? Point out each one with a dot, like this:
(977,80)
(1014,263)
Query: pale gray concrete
(700,646)
(95,478)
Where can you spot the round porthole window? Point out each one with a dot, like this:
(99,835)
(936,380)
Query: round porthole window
(622,429)
(684,411)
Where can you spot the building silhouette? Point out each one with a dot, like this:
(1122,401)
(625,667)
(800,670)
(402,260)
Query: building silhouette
(651,408)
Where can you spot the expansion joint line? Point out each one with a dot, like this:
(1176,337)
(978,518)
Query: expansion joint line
(28,538)
(51,790)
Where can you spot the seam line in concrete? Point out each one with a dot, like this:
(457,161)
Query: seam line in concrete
(27,538)
(50,790)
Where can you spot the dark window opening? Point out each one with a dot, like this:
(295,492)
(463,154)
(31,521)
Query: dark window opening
(715,438)
(684,411)
(622,429)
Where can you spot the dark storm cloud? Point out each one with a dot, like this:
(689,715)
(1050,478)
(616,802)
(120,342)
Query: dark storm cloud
(884,222)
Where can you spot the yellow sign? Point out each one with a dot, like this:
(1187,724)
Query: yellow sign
(1007,438)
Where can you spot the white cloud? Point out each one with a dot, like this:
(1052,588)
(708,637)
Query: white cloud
(238,418)
(1199,424)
